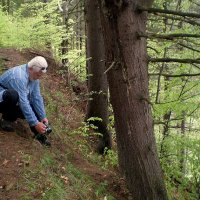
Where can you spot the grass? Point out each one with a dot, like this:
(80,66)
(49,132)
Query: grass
(52,180)
(61,180)
(53,176)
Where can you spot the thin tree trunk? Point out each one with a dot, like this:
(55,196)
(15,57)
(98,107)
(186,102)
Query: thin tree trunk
(97,81)
(65,42)
(126,60)
(182,153)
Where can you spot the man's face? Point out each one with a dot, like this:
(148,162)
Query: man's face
(35,74)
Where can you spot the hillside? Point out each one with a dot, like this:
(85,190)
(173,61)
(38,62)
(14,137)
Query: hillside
(70,169)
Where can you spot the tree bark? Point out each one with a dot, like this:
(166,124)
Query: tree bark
(97,80)
(128,84)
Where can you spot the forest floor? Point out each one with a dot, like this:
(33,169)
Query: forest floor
(31,171)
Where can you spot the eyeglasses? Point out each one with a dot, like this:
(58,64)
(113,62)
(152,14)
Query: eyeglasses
(43,69)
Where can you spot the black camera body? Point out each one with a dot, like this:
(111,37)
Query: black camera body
(48,129)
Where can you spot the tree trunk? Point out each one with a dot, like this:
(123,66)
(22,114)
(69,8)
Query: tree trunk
(78,29)
(65,42)
(97,81)
(182,153)
(126,60)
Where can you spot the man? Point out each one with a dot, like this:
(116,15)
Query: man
(20,97)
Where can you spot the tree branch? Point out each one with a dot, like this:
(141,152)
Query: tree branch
(171,12)
(188,47)
(168,36)
(195,66)
(173,75)
(195,3)
(184,19)
(190,61)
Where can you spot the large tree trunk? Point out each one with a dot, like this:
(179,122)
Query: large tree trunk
(97,81)
(126,60)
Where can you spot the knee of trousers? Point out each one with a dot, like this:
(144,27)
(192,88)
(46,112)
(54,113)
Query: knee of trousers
(10,97)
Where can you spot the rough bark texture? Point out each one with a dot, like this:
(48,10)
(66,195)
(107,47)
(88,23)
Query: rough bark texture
(97,80)
(128,84)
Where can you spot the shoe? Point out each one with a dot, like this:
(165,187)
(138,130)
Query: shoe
(6,125)
(43,140)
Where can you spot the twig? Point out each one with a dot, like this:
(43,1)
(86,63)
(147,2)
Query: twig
(109,68)
(188,47)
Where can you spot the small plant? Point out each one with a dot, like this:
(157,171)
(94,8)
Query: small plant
(86,128)
(111,159)
(101,192)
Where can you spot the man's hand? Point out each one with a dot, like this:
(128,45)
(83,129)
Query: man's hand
(45,121)
(40,128)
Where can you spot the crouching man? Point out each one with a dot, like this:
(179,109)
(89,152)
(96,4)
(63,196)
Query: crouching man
(20,97)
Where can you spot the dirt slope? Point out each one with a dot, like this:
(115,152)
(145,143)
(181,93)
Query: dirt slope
(12,145)
(16,146)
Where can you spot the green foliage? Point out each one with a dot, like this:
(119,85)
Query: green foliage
(111,159)
(85,129)
(39,25)
(101,191)
(34,25)
(181,165)
(176,100)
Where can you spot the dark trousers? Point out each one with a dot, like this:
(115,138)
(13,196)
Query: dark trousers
(10,109)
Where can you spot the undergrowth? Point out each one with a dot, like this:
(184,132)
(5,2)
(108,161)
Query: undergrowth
(52,180)
(55,176)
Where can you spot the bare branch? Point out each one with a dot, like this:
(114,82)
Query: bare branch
(184,19)
(168,36)
(189,89)
(149,47)
(187,60)
(196,66)
(188,47)
(170,12)
(195,3)
(173,75)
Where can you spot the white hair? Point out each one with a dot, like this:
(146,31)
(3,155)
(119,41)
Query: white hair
(37,63)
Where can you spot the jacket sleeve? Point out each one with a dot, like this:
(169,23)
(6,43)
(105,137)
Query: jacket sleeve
(24,102)
(37,101)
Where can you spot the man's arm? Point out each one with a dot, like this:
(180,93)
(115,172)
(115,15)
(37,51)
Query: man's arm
(38,103)
(24,103)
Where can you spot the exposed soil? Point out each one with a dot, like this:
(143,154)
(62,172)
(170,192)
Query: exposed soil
(14,146)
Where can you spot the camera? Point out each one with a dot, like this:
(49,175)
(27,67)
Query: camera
(48,129)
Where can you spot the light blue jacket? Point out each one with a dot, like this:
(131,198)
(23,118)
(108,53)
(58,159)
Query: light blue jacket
(17,78)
